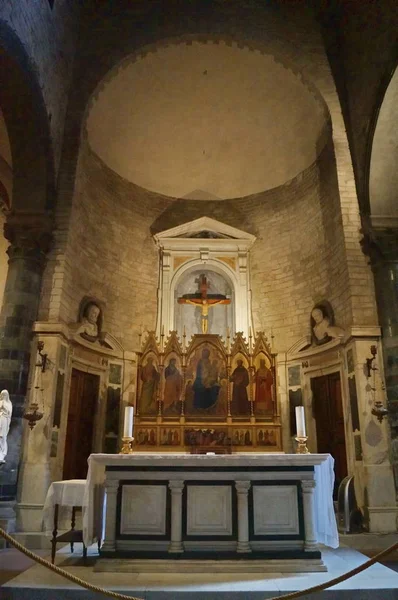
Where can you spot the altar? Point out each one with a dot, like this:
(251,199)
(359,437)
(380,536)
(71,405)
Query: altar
(240,506)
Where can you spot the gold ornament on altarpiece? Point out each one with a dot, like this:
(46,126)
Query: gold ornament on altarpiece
(207,395)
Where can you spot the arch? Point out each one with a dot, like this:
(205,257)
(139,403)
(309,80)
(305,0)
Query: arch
(364,193)
(383,130)
(27,124)
(211,265)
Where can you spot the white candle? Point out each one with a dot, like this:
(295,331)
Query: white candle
(128,421)
(300,421)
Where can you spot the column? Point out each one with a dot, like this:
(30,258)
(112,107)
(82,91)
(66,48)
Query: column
(30,239)
(307,487)
(176,488)
(242,489)
(380,244)
(111,490)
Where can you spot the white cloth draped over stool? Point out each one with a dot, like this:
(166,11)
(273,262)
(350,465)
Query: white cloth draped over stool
(325,518)
(66,494)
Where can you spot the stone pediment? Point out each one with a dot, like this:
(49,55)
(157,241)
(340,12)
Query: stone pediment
(204,228)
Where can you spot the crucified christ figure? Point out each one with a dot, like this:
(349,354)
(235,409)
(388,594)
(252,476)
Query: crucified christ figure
(204,301)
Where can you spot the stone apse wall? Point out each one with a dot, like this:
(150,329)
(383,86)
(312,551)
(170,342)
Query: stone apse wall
(297,260)
(295,40)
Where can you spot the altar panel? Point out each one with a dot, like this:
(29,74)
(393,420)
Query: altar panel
(143,509)
(230,506)
(207,510)
(284,514)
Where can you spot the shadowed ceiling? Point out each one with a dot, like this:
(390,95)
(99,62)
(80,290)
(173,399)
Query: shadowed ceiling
(206,121)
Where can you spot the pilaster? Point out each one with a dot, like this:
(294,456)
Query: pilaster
(30,237)
(242,489)
(176,488)
(308,488)
(380,245)
(111,488)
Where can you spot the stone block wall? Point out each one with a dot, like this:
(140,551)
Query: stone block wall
(106,250)
(299,257)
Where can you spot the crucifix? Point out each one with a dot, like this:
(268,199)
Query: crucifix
(204,300)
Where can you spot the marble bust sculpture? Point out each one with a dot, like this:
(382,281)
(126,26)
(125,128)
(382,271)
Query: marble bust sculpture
(323,328)
(5,420)
(89,328)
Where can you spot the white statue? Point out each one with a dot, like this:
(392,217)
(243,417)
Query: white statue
(5,420)
(88,328)
(322,326)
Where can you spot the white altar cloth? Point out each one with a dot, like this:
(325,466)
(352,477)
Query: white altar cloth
(326,527)
(68,493)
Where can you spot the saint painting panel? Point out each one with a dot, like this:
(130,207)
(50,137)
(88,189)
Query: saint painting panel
(173,384)
(263,386)
(240,403)
(149,384)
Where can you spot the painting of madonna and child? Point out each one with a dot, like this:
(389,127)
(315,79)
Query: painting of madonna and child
(206,392)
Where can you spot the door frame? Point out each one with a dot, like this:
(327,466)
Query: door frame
(309,373)
(99,416)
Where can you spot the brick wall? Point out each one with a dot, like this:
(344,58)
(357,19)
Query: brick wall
(299,257)
(107,250)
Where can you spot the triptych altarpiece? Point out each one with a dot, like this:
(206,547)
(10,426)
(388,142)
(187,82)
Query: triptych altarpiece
(207,395)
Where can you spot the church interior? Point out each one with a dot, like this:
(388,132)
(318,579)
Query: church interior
(199,290)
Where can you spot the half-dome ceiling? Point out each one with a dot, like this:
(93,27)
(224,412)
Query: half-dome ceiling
(206,121)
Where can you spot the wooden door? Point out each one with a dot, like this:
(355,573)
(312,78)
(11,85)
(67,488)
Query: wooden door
(329,416)
(80,427)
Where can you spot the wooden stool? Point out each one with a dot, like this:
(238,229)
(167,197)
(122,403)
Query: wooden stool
(72,536)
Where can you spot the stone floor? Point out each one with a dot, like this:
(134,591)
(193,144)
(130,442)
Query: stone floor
(22,581)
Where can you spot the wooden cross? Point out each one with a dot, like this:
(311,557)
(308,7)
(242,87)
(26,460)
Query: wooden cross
(204,301)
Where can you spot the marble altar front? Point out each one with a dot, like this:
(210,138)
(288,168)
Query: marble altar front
(253,506)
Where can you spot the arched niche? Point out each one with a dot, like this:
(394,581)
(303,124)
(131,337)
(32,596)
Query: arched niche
(221,318)
(204,246)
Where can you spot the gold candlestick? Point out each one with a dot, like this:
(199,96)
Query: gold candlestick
(127,443)
(302,445)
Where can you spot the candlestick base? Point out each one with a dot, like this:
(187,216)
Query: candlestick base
(127,443)
(302,445)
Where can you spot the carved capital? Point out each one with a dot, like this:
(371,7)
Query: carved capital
(307,485)
(176,486)
(112,486)
(242,487)
(380,244)
(30,234)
